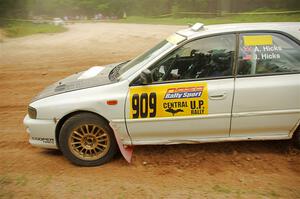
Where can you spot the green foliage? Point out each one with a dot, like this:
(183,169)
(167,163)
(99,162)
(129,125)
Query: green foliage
(104,7)
(60,8)
(212,20)
(19,29)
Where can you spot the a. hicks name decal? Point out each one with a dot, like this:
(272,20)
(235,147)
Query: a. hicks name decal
(186,99)
(260,47)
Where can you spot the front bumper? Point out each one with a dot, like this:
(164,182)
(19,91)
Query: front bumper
(41,132)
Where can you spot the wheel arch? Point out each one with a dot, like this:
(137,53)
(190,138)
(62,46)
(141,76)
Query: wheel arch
(295,130)
(69,115)
(125,151)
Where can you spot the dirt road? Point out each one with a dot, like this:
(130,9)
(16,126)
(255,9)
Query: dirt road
(224,170)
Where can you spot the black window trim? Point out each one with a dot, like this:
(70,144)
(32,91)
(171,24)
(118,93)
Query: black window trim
(185,80)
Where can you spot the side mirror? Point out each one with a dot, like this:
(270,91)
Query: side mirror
(146,77)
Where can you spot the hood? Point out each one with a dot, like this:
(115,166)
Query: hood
(95,76)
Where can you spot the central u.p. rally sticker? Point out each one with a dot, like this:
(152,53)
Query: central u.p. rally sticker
(173,100)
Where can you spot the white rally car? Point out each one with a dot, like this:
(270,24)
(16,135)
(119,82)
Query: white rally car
(202,84)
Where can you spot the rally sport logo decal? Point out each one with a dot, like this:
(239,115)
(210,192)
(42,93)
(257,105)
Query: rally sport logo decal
(187,92)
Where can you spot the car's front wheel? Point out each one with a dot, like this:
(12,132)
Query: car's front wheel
(87,140)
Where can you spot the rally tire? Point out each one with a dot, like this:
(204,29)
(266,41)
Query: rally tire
(87,140)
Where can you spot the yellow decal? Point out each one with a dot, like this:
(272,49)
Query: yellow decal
(175,38)
(258,40)
(186,99)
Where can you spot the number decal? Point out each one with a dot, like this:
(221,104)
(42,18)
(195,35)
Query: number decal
(168,100)
(152,104)
(135,106)
(143,106)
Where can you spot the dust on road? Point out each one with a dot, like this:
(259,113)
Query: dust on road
(223,170)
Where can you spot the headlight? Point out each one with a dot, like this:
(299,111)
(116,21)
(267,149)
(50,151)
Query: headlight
(32,112)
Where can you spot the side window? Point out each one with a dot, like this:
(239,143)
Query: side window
(206,57)
(263,53)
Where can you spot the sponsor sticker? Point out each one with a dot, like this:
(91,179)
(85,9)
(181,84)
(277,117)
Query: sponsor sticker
(186,99)
(185,92)
(44,140)
(257,40)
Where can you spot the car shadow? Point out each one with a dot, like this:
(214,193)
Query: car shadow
(52,152)
(250,156)
(246,147)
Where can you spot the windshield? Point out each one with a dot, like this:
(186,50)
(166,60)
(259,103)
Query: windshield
(146,57)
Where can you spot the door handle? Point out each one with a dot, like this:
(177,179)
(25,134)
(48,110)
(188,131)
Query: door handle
(217,96)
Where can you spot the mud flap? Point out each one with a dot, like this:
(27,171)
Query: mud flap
(126,150)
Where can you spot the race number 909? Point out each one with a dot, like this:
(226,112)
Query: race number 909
(143,105)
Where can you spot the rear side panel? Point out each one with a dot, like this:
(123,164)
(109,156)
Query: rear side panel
(266,105)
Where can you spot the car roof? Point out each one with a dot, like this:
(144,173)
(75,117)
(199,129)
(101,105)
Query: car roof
(292,28)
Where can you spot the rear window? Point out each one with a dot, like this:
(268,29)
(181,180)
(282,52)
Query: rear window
(267,53)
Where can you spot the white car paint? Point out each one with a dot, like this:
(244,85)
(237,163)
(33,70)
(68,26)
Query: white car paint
(237,110)
(268,103)
(92,72)
(167,130)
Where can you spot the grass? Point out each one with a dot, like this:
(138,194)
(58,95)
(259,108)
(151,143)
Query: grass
(221,189)
(5,181)
(20,29)
(212,20)
(21,180)
(46,180)
(242,192)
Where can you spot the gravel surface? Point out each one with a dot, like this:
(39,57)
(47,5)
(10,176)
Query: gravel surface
(217,170)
